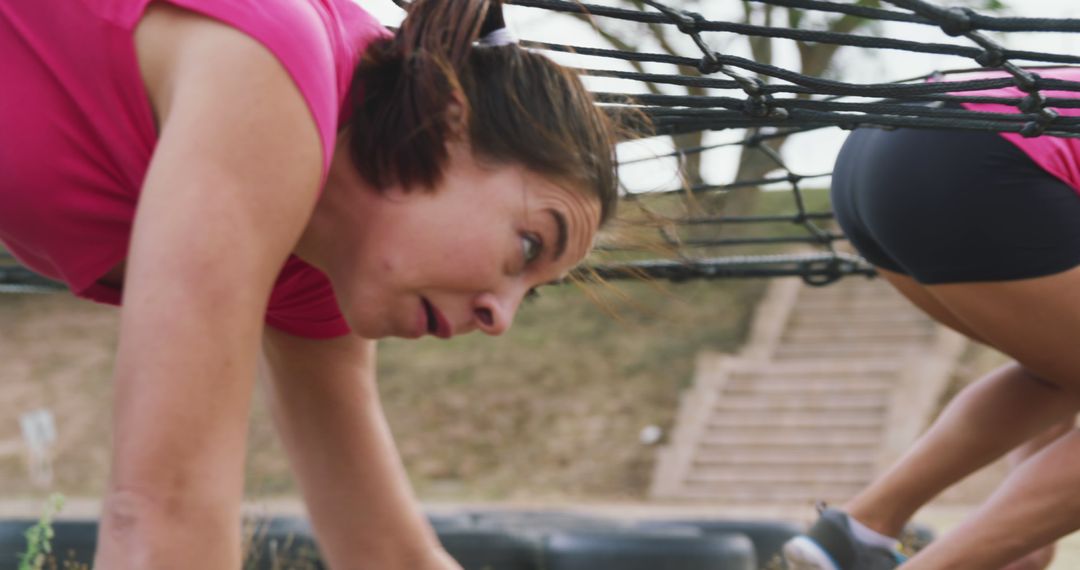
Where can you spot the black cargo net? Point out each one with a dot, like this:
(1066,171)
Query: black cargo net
(770,103)
(686,232)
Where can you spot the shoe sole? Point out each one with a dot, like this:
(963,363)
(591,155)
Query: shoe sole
(801,553)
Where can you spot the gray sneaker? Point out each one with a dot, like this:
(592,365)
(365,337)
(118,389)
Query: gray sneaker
(830,545)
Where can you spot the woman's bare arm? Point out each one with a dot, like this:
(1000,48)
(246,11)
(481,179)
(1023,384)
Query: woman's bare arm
(326,407)
(232,181)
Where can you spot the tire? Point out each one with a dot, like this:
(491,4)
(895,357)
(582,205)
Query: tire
(539,522)
(768,537)
(645,550)
(478,549)
(454,521)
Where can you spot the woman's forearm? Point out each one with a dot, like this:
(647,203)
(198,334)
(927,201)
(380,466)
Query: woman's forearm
(356,490)
(327,410)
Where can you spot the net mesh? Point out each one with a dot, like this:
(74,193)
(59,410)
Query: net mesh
(770,104)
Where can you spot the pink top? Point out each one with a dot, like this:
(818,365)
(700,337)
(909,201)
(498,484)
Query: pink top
(1058,156)
(77,131)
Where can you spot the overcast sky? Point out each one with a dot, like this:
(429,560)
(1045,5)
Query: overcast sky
(809,153)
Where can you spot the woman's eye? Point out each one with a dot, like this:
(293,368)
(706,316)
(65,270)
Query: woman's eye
(530,248)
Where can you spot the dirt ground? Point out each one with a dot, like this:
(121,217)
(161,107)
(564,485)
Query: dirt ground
(70,377)
(543,437)
(532,416)
(550,410)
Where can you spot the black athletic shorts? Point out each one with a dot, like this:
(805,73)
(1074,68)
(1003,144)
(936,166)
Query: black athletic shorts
(953,206)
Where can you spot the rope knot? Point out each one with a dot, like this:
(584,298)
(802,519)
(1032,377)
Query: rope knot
(688,22)
(1033,103)
(752,86)
(957,21)
(1027,81)
(1037,127)
(757,107)
(993,57)
(710,63)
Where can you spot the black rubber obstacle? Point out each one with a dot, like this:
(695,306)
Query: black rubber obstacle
(647,550)
(534,522)
(484,549)
(571,541)
(767,537)
(74,541)
(483,540)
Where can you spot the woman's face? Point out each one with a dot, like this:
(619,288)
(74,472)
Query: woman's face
(462,257)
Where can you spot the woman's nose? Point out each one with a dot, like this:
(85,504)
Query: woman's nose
(495,313)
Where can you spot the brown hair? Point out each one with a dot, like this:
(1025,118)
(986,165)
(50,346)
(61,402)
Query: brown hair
(518,105)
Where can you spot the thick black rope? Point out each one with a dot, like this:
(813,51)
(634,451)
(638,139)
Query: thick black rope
(813,102)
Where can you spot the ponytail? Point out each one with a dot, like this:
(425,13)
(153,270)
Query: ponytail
(516,106)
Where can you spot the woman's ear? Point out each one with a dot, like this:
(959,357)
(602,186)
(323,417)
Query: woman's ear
(457,116)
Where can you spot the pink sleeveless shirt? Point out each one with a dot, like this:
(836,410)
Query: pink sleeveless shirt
(77,131)
(1058,156)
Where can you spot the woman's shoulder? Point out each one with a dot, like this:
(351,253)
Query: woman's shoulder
(316,42)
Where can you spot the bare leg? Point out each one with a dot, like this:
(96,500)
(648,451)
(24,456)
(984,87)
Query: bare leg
(1035,321)
(1041,558)
(1036,505)
(967,436)
(969,431)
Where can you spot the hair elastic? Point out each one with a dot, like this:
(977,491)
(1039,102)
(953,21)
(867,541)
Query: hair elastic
(498,37)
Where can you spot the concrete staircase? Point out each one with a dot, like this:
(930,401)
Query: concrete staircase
(833,385)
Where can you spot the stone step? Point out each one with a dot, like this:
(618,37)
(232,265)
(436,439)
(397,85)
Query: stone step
(770,494)
(797,419)
(820,403)
(857,344)
(849,301)
(841,350)
(832,321)
(841,294)
(771,475)
(786,453)
(799,387)
(807,424)
(853,334)
(832,318)
(851,298)
(817,368)
(787,439)
(855,313)
(739,456)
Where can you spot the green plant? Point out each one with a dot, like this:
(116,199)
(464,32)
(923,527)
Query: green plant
(39,537)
